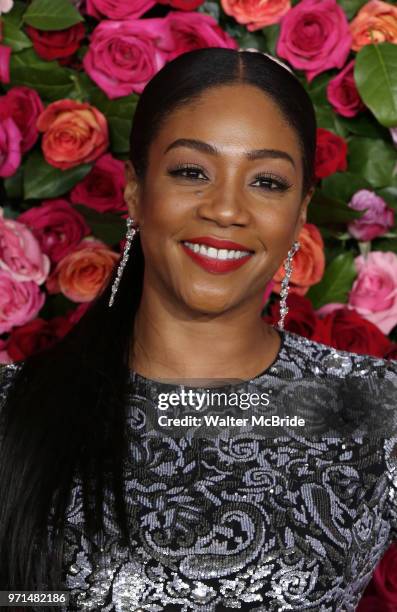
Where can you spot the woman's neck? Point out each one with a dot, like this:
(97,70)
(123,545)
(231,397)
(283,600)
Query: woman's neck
(168,344)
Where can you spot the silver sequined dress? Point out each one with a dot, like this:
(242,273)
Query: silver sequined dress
(246,520)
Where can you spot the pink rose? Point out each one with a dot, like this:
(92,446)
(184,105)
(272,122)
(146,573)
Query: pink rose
(374,292)
(19,301)
(342,92)
(10,147)
(23,105)
(196,31)
(20,252)
(103,188)
(58,227)
(377,219)
(124,55)
(118,9)
(315,36)
(6,6)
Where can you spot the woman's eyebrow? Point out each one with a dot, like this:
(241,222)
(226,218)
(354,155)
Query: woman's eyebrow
(205,147)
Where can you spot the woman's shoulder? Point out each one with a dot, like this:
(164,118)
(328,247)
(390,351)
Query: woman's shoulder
(322,359)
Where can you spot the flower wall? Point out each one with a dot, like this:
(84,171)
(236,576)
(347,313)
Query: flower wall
(71,73)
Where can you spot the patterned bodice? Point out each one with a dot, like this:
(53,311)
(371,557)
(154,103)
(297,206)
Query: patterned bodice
(246,518)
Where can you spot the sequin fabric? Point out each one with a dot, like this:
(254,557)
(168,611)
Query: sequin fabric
(247,521)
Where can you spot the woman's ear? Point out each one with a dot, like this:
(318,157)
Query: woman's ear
(131,191)
(303,210)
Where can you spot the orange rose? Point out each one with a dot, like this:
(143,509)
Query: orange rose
(377,17)
(256,13)
(308,263)
(74,133)
(81,274)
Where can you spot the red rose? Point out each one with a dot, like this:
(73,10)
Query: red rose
(385,578)
(36,335)
(23,105)
(342,92)
(372,603)
(56,44)
(331,151)
(300,319)
(58,227)
(346,330)
(183,5)
(103,187)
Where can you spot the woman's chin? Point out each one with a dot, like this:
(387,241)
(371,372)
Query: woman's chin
(203,303)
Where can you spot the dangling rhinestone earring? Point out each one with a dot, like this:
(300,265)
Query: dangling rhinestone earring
(131,231)
(284,284)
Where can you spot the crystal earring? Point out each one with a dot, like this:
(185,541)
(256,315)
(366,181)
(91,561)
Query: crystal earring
(131,231)
(284,284)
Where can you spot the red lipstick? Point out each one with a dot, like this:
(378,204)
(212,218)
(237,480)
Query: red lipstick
(210,264)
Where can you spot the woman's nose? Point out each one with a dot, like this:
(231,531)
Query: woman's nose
(226,206)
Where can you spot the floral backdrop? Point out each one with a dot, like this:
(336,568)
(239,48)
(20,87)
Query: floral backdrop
(70,75)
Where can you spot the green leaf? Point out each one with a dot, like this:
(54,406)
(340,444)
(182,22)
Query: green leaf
(386,244)
(14,37)
(364,124)
(271,34)
(351,7)
(44,181)
(389,194)
(327,118)
(119,114)
(16,14)
(210,8)
(373,159)
(343,185)
(108,227)
(49,79)
(323,210)
(336,282)
(317,89)
(13,185)
(375,74)
(52,14)
(10,212)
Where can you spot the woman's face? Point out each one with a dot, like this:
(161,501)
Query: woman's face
(205,190)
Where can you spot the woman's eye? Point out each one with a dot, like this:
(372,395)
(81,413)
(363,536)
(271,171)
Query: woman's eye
(277,185)
(187,172)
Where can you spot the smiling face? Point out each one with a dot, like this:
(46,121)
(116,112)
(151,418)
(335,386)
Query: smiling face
(202,186)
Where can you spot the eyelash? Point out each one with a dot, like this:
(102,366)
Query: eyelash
(179,168)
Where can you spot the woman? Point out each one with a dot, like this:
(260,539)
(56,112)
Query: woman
(142,516)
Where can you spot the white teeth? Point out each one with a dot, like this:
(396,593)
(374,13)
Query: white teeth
(216,253)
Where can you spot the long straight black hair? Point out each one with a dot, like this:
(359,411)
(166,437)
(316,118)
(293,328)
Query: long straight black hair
(65,413)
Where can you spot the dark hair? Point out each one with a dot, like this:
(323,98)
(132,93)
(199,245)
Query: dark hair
(65,415)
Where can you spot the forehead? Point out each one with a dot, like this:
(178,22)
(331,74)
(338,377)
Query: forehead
(235,116)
